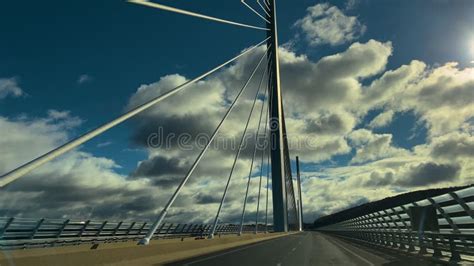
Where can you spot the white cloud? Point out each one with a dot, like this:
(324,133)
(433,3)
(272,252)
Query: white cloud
(382,119)
(84,78)
(392,84)
(326,24)
(442,96)
(104,144)
(10,87)
(370,146)
(333,80)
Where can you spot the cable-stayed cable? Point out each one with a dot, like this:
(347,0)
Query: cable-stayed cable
(193,14)
(263,8)
(261,172)
(250,171)
(268,180)
(267,5)
(163,213)
(254,11)
(211,234)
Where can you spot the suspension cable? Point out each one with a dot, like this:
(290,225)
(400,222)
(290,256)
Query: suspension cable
(211,234)
(193,14)
(163,213)
(27,167)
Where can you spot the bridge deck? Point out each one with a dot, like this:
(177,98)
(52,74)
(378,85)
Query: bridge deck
(308,248)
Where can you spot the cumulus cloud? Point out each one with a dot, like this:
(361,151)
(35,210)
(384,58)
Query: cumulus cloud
(10,87)
(383,119)
(392,83)
(69,186)
(370,146)
(326,24)
(325,102)
(25,138)
(441,96)
(334,79)
(430,173)
(453,146)
(330,123)
(81,185)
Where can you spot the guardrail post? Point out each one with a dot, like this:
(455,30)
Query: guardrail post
(101,228)
(189,228)
(195,228)
(158,232)
(455,256)
(422,244)
(401,239)
(182,229)
(175,230)
(168,229)
(130,228)
(83,228)
(378,240)
(141,228)
(117,228)
(436,251)
(411,247)
(381,238)
(394,240)
(61,230)
(4,229)
(38,225)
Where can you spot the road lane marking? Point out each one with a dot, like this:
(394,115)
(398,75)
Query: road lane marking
(353,253)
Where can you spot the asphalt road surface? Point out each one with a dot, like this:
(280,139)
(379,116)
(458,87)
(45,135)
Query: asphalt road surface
(307,248)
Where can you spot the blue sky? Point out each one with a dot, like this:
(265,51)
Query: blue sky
(89,58)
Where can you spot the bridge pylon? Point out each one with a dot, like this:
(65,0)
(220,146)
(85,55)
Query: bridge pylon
(280,209)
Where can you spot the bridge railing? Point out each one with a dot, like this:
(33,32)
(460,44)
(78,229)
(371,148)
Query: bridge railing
(392,227)
(19,233)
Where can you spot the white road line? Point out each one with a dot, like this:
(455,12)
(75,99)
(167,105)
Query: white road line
(355,254)
(229,252)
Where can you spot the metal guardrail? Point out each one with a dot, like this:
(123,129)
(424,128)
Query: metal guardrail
(392,227)
(22,233)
